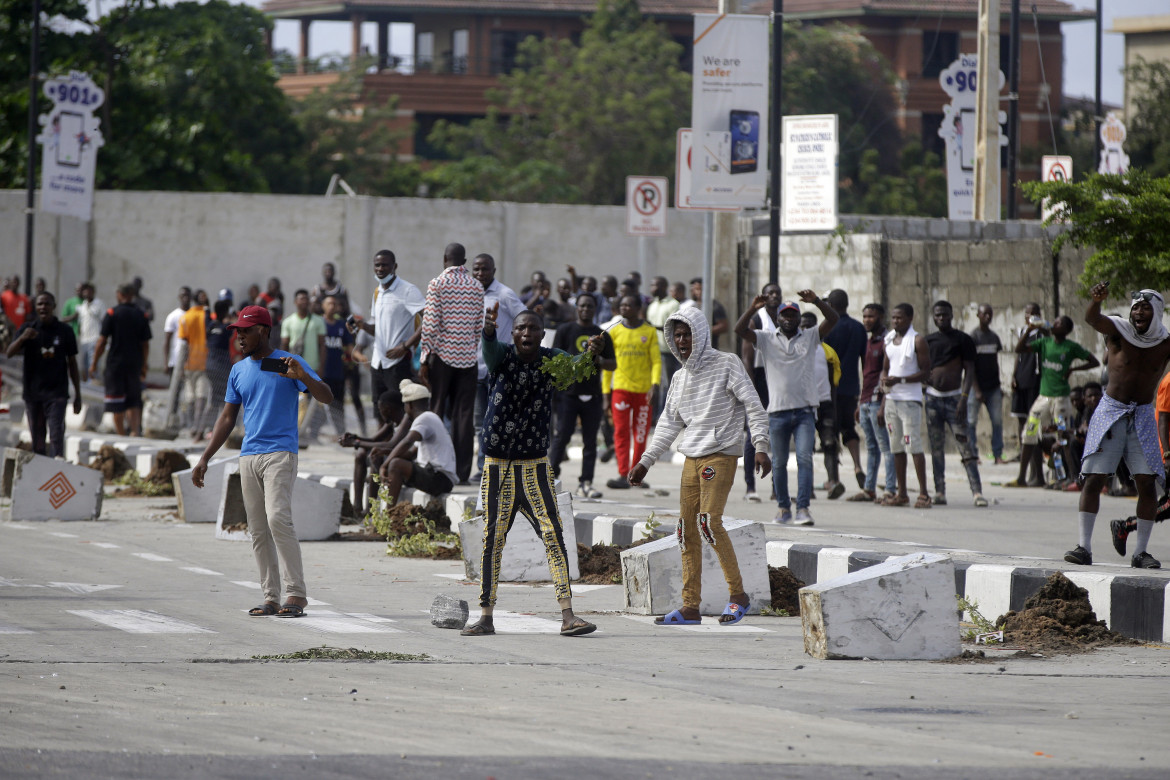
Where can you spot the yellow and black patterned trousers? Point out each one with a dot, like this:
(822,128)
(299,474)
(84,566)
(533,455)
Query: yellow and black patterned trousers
(508,487)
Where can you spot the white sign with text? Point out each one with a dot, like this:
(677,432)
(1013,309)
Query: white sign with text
(809,155)
(69,142)
(646,205)
(958,130)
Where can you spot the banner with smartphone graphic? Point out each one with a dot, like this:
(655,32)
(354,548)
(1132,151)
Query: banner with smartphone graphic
(729,105)
(69,142)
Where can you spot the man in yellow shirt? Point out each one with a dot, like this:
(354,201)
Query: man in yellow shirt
(632,386)
(196,385)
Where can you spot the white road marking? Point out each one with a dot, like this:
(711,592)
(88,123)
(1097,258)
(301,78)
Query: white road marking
(453,576)
(152,557)
(5,628)
(81,588)
(371,618)
(710,624)
(586,588)
(257,586)
(137,621)
(62,534)
(6,583)
(105,545)
(516,623)
(328,622)
(19,526)
(198,570)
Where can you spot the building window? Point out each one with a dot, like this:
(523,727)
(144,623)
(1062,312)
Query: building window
(939,50)
(505,47)
(930,138)
(1005,57)
(424,52)
(460,42)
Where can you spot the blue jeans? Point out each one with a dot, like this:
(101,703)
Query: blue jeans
(785,426)
(942,413)
(877,447)
(993,400)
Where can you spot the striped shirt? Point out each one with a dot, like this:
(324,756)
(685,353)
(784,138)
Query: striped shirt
(452,318)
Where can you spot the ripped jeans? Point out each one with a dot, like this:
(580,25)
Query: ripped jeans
(942,413)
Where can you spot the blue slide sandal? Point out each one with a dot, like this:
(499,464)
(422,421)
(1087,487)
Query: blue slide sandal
(737,612)
(676,618)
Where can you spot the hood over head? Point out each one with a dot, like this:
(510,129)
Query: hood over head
(692,317)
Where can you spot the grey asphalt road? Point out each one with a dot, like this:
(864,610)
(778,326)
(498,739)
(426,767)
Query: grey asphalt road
(126,652)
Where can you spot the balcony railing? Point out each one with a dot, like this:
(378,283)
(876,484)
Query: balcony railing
(445,64)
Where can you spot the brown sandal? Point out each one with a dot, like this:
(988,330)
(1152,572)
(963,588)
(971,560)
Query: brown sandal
(923,502)
(893,499)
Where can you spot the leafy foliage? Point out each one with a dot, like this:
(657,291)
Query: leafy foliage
(565,370)
(1148,138)
(56,56)
(1122,217)
(597,111)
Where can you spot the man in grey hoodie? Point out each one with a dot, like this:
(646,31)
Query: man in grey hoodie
(708,401)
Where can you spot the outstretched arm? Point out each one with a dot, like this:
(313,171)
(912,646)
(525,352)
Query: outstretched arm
(1098,321)
(743,327)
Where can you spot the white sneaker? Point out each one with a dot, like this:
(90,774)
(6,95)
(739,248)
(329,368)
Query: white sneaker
(783,517)
(751,496)
(802,517)
(585,490)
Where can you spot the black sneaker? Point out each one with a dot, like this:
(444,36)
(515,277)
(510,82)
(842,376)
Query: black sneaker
(606,455)
(1079,556)
(1119,532)
(1144,560)
(618,483)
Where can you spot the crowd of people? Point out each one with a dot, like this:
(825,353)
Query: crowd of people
(456,405)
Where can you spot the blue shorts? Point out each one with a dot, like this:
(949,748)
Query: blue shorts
(1120,441)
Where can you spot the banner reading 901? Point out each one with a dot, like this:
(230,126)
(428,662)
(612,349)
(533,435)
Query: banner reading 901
(729,110)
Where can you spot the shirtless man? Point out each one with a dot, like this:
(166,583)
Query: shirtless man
(1123,424)
(952,372)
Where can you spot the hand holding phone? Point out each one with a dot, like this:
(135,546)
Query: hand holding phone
(273,365)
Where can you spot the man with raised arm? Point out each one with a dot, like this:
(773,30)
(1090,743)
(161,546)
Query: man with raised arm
(1123,424)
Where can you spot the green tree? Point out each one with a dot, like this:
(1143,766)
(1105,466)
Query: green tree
(192,101)
(1148,134)
(1121,217)
(56,56)
(354,136)
(598,111)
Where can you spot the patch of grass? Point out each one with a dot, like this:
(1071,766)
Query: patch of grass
(134,485)
(767,610)
(326,653)
(982,624)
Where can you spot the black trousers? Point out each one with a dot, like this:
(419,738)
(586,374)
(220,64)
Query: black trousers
(453,396)
(383,379)
(569,408)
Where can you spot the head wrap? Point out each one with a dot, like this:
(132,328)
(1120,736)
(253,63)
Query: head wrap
(1156,333)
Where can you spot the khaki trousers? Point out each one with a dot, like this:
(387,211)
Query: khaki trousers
(267,483)
(706,481)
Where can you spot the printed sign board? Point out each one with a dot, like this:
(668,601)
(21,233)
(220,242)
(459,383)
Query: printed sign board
(646,205)
(69,142)
(809,156)
(1054,168)
(958,130)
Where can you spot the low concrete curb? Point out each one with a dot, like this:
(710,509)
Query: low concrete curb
(1132,604)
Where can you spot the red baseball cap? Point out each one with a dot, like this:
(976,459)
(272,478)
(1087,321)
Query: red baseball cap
(252,315)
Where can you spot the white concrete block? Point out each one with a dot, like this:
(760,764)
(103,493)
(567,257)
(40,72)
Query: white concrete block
(652,572)
(201,505)
(316,508)
(461,506)
(778,553)
(43,488)
(900,610)
(990,585)
(524,559)
(1100,588)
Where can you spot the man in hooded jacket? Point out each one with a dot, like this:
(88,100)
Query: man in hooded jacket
(707,403)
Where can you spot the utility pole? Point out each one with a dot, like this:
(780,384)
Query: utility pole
(719,229)
(1013,110)
(31,171)
(987,195)
(1097,110)
(774,140)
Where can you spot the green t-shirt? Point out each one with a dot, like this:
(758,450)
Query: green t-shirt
(296,329)
(69,309)
(1055,359)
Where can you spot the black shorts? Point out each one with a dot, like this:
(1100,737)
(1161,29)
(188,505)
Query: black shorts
(428,479)
(846,407)
(1022,400)
(123,388)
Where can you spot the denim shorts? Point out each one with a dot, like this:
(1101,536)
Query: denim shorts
(904,422)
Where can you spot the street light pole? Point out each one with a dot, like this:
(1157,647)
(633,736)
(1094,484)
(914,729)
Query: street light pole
(1097,110)
(1013,109)
(774,141)
(31,170)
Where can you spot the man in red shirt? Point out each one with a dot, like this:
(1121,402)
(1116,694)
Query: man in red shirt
(17,305)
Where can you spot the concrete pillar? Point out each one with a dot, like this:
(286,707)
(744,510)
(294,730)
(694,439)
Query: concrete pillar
(303,46)
(43,488)
(384,62)
(356,37)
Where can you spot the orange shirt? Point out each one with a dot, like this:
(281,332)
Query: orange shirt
(193,330)
(1162,401)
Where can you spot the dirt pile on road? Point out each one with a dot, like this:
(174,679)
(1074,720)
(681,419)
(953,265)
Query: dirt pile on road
(1058,619)
(785,587)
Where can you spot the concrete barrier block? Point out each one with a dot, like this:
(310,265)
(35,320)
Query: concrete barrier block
(461,506)
(201,505)
(524,559)
(652,572)
(316,508)
(900,610)
(43,488)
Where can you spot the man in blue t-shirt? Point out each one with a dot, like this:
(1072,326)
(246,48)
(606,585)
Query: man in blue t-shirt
(268,457)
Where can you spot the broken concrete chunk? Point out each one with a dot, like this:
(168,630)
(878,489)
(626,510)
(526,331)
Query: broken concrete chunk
(447,612)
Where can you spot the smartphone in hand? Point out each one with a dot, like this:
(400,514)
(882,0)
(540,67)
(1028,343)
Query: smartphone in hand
(275,365)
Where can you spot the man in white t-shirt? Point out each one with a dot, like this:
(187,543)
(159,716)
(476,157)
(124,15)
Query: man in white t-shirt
(422,455)
(89,326)
(171,327)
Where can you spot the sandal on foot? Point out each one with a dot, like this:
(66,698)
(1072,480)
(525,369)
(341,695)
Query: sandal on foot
(265,609)
(579,627)
(737,612)
(923,502)
(291,611)
(478,629)
(864,495)
(895,500)
(676,618)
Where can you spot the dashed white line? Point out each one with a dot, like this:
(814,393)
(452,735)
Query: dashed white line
(329,622)
(81,588)
(105,545)
(6,628)
(62,534)
(152,557)
(199,570)
(257,586)
(137,621)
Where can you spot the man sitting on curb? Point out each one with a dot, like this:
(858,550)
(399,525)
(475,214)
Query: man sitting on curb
(429,467)
(371,453)
(708,402)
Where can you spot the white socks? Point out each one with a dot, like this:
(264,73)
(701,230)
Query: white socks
(1087,520)
(1144,528)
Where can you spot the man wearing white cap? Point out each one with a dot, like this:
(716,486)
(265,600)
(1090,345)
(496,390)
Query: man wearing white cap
(432,468)
(267,384)
(1123,424)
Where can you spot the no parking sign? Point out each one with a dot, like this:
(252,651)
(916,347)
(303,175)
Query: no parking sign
(646,205)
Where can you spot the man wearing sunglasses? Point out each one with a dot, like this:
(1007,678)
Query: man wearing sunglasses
(1123,425)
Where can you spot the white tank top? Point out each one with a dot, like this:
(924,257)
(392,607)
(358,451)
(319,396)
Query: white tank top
(904,391)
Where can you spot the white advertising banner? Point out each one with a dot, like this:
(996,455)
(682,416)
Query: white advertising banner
(682,174)
(69,142)
(809,190)
(729,110)
(1113,157)
(958,130)
(646,205)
